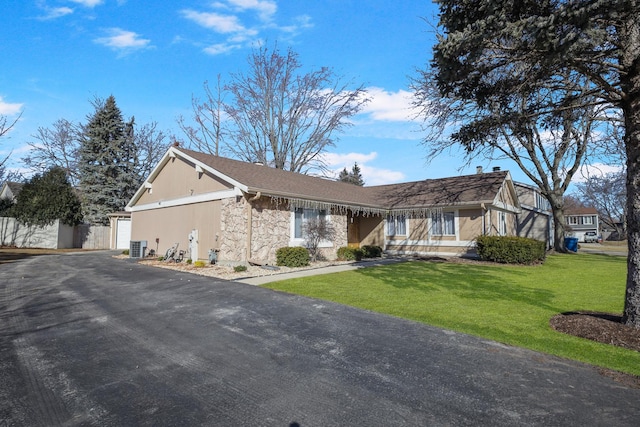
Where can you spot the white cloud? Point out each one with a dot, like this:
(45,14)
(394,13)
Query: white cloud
(88,3)
(595,170)
(243,21)
(265,8)
(371,174)
(219,23)
(9,109)
(220,48)
(389,106)
(54,13)
(122,40)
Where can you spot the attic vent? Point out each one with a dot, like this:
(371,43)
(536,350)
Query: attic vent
(496,168)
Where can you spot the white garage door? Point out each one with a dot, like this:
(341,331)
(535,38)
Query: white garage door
(123,236)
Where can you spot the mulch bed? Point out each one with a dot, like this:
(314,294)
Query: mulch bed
(605,328)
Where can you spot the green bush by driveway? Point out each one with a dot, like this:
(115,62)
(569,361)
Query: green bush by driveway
(509,304)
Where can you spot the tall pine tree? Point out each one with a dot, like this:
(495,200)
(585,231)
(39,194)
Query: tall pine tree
(107,162)
(353,177)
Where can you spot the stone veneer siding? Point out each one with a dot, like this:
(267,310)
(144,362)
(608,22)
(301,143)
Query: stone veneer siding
(340,239)
(233,231)
(271,230)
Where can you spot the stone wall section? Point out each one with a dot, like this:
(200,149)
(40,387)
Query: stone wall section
(271,229)
(233,231)
(340,224)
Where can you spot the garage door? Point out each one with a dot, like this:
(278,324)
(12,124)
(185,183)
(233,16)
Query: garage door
(123,236)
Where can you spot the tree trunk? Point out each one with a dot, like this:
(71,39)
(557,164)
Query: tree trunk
(631,315)
(557,209)
(630,82)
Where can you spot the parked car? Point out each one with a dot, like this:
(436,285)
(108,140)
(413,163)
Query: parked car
(591,237)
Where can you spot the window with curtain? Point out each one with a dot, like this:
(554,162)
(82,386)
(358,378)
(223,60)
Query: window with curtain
(443,223)
(396,225)
(304,215)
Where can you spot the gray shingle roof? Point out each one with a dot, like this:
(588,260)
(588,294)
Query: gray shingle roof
(461,190)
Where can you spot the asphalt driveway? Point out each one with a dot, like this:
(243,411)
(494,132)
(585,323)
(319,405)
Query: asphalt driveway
(86,339)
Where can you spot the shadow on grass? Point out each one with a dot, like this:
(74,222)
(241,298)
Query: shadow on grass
(490,283)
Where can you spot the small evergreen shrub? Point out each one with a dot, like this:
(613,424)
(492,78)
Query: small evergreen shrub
(240,268)
(125,252)
(369,251)
(292,257)
(510,250)
(160,258)
(189,261)
(346,253)
(198,264)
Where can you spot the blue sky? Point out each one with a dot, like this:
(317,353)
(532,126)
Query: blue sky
(57,55)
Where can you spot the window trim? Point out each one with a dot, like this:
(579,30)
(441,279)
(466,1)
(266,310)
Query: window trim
(301,241)
(392,220)
(442,221)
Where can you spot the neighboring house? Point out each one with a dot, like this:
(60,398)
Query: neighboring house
(581,220)
(247,211)
(536,219)
(10,190)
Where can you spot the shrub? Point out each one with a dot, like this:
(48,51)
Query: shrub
(292,257)
(198,264)
(160,258)
(349,254)
(510,250)
(189,261)
(240,268)
(369,251)
(125,252)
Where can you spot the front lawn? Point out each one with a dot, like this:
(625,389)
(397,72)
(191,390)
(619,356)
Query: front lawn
(509,304)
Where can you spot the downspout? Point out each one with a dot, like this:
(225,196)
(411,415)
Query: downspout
(484,212)
(250,222)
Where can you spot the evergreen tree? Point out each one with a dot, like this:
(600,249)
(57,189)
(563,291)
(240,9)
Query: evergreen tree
(107,162)
(353,177)
(46,198)
(344,175)
(6,206)
(356,175)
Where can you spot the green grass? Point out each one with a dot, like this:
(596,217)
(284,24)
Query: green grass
(509,304)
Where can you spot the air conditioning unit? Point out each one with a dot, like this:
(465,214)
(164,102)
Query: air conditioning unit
(137,248)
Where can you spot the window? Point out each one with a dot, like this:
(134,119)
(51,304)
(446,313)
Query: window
(443,223)
(541,202)
(573,220)
(587,220)
(502,223)
(304,215)
(396,225)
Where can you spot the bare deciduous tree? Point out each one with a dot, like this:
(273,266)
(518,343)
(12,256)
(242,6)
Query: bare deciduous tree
(275,114)
(207,134)
(607,193)
(150,144)
(55,146)
(549,146)
(5,126)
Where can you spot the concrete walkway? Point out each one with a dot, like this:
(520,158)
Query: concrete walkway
(261,280)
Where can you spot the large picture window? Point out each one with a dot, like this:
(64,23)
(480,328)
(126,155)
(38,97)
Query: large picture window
(304,215)
(443,223)
(396,225)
